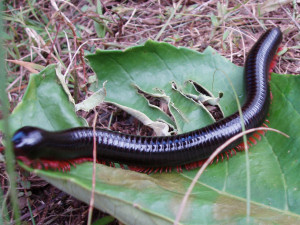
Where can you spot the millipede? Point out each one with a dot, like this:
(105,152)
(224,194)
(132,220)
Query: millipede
(58,150)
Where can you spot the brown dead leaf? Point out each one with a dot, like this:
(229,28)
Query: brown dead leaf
(272,5)
(32,67)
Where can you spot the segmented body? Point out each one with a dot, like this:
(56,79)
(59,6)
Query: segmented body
(161,151)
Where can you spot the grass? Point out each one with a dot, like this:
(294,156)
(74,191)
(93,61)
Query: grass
(45,33)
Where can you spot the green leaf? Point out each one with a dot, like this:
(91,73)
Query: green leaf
(91,102)
(275,169)
(100,26)
(155,69)
(214,20)
(220,195)
(45,105)
(104,220)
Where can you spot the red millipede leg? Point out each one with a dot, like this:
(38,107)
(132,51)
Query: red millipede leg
(252,140)
(257,136)
(227,155)
(122,166)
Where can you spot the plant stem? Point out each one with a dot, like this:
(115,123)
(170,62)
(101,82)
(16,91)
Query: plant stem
(9,155)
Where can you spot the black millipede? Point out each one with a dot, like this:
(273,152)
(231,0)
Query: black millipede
(145,153)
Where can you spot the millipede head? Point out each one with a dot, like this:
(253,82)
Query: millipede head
(26,140)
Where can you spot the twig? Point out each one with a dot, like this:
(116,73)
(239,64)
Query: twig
(52,44)
(94,171)
(76,43)
(168,21)
(292,18)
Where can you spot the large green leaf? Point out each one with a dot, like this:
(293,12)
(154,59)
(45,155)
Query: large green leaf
(45,105)
(219,196)
(154,69)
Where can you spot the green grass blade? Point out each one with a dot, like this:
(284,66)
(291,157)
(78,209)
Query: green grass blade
(9,155)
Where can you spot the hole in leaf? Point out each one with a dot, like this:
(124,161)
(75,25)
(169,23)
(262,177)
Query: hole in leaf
(157,101)
(115,119)
(213,109)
